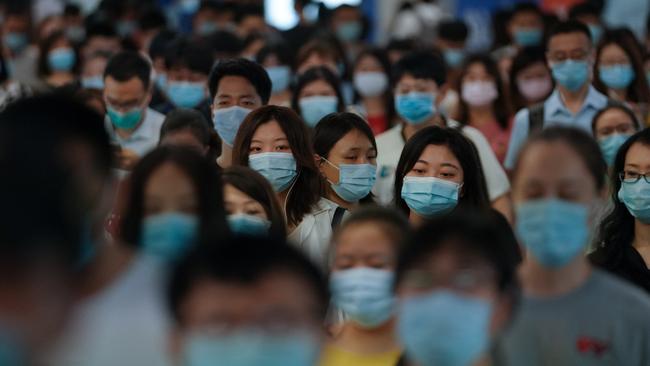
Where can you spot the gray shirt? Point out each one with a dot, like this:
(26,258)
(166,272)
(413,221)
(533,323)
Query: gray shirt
(604,322)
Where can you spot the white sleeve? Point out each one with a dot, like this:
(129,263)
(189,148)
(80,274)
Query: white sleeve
(495,177)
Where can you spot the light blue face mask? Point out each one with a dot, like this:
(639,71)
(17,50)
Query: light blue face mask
(526,37)
(364,294)
(278,168)
(61,59)
(571,74)
(453,57)
(444,328)
(168,236)
(15,41)
(349,31)
(189,6)
(227,122)
(93,82)
(280,77)
(127,120)
(250,347)
(430,196)
(314,108)
(186,94)
(243,224)
(355,180)
(609,146)
(206,28)
(617,76)
(554,231)
(636,197)
(416,108)
(596,32)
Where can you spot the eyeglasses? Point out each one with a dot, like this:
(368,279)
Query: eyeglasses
(633,177)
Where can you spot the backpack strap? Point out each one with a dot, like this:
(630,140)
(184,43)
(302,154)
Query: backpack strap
(535,118)
(338,216)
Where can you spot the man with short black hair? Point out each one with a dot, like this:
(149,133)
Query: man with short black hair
(236,87)
(452,36)
(101,37)
(127,92)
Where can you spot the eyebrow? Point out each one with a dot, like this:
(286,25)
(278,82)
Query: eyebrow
(449,165)
(631,165)
(422,161)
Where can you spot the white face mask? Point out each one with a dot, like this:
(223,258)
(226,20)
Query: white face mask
(479,93)
(535,89)
(370,83)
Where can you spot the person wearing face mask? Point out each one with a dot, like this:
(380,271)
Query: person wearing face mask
(526,25)
(189,128)
(133,126)
(316,95)
(57,63)
(247,302)
(574,102)
(557,183)
(251,204)
(346,155)
(374,99)
(20,56)
(419,86)
(457,289)
(365,249)
(174,201)
(452,36)
(350,27)
(483,104)
(276,143)
(589,14)
(213,16)
(530,80)
(618,71)
(622,239)
(92,71)
(439,172)
(612,126)
(237,86)
(276,59)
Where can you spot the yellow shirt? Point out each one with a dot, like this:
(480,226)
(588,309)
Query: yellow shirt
(335,356)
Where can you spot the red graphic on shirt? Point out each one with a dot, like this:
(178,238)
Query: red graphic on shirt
(591,345)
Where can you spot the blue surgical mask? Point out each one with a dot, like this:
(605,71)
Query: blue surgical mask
(444,328)
(430,196)
(227,122)
(186,94)
(207,28)
(636,197)
(15,41)
(526,37)
(127,120)
(251,347)
(61,59)
(280,77)
(189,6)
(609,146)
(244,224)
(364,294)
(617,76)
(278,168)
(571,74)
(355,180)
(370,83)
(453,57)
(349,31)
(416,108)
(596,32)
(93,82)
(314,108)
(168,236)
(554,231)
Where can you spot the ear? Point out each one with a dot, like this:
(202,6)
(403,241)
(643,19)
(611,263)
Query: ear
(318,160)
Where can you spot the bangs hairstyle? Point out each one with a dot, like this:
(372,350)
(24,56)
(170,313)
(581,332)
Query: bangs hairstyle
(306,189)
(46,46)
(474,190)
(526,57)
(314,74)
(391,222)
(204,177)
(381,56)
(423,64)
(621,107)
(254,185)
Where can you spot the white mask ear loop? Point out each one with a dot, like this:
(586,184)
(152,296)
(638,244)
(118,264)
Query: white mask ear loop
(284,206)
(335,167)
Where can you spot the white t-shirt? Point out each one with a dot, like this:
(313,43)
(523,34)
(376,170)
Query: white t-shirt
(144,138)
(126,324)
(389,149)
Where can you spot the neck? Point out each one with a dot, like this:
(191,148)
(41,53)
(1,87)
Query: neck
(332,196)
(368,341)
(641,235)
(539,281)
(374,103)
(481,115)
(416,220)
(225,159)
(573,100)
(620,94)
(409,129)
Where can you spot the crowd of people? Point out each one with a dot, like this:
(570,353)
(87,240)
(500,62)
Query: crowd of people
(186,185)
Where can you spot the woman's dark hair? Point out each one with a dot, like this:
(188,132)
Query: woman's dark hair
(525,58)
(44,48)
(314,74)
(278,49)
(254,185)
(620,107)
(616,231)
(324,45)
(638,90)
(392,222)
(382,57)
(305,192)
(205,178)
(499,105)
(474,192)
(333,127)
(191,120)
(580,142)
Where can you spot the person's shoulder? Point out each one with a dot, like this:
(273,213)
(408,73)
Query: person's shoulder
(635,301)
(389,145)
(391,135)
(522,116)
(155,117)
